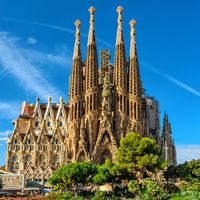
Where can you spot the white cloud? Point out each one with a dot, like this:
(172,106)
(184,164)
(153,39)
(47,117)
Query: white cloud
(3,138)
(58,28)
(31,40)
(187,152)
(16,61)
(9,110)
(5,133)
(172,79)
(57,59)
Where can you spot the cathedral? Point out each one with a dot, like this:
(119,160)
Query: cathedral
(105,103)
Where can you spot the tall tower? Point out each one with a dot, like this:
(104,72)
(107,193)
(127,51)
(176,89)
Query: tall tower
(134,84)
(168,146)
(76,95)
(91,77)
(120,78)
(76,90)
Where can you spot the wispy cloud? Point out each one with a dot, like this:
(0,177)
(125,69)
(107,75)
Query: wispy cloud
(171,79)
(9,110)
(3,138)
(4,135)
(31,40)
(187,152)
(16,61)
(58,28)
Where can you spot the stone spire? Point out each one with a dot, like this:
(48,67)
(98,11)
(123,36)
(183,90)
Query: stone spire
(120,57)
(77,50)
(168,147)
(134,82)
(91,35)
(133,40)
(76,77)
(91,68)
(91,83)
(120,38)
(134,73)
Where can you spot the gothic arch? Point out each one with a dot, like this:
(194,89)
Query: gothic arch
(14,163)
(27,160)
(41,160)
(55,161)
(81,156)
(103,149)
(39,174)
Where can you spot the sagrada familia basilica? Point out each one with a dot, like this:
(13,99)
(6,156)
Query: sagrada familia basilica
(105,103)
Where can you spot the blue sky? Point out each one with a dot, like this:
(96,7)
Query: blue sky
(36,46)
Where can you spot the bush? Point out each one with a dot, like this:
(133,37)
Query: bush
(100,195)
(188,195)
(152,190)
(134,187)
(53,195)
(63,196)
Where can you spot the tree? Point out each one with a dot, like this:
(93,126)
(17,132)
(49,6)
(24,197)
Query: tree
(139,154)
(152,190)
(194,166)
(111,172)
(134,187)
(188,171)
(73,173)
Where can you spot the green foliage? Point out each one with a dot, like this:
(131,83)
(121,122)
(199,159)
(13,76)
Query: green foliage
(152,190)
(191,186)
(181,171)
(194,166)
(63,196)
(139,153)
(100,195)
(73,173)
(104,173)
(110,172)
(134,187)
(187,171)
(188,195)
(137,158)
(53,195)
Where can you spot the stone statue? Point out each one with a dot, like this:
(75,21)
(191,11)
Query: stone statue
(106,95)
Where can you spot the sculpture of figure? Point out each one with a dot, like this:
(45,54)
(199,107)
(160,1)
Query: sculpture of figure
(106,95)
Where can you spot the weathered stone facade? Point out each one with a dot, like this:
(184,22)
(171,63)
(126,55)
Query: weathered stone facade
(167,143)
(104,105)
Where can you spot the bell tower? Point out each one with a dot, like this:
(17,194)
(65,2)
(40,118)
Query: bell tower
(76,90)
(91,78)
(120,78)
(134,84)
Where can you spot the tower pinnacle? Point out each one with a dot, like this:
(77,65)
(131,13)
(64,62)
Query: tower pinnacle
(120,38)
(119,11)
(91,36)
(133,41)
(77,52)
(91,11)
